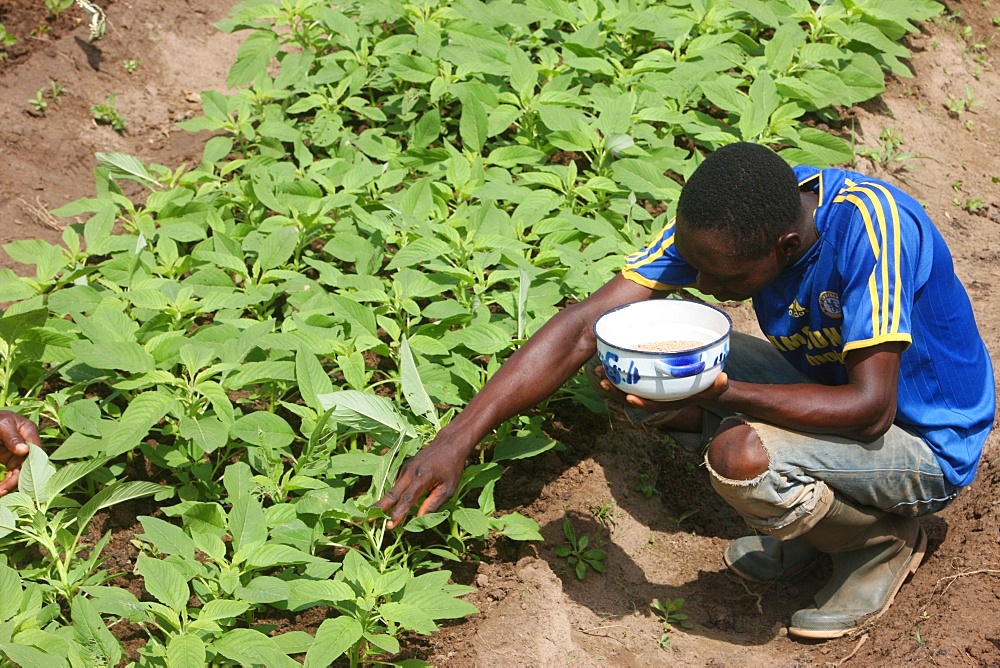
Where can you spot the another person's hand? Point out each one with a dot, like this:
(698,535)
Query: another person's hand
(436,469)
(17,435)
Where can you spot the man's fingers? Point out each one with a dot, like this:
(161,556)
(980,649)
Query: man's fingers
(438,496)
(16,433)
(29,432)
(9,483)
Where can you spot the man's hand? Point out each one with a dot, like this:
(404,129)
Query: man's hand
(17,435)
(705,397)
(437,469)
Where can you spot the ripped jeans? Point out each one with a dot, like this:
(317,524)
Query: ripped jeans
(896,473)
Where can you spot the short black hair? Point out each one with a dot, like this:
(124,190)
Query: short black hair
(745,190)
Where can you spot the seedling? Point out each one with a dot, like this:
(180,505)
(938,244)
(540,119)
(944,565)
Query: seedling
(670,614)
(958,106)
(55,90)
(131,64)
(604,513)
(107,114)
(6,39)
(889,151)
(577,555)
(969,204)
(645,486)
(915,636)
(57,7)
(39,103)
(683,516)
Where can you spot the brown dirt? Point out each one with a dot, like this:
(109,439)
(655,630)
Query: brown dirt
(534,611)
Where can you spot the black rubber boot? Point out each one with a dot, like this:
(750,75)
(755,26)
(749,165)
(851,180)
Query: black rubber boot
(873,553)
(766,559)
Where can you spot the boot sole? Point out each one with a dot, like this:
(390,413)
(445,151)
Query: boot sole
(919,548)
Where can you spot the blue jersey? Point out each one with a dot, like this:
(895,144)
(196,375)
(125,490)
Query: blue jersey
(879,272)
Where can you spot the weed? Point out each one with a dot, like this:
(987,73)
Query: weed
(39,103)
(57,7)
(683,516)
(969,204)
(107,114)
(889,151)
(958,106)
(604,513)
(915,636)
(577,555)
(645,486)
(670,614)
(6,39)
(131,64)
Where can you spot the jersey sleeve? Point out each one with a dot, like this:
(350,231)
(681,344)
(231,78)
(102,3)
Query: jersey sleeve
(877,262)
(658,266)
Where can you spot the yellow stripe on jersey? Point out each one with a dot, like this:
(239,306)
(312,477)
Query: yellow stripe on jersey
(663,240)
(873,240)
(884,323)
(896,250)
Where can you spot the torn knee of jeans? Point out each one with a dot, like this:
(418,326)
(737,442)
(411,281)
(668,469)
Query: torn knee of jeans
(739,462)
(756,480)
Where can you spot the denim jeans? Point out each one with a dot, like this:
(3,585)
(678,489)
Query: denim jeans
(896,473)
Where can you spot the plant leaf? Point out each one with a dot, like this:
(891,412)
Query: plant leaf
(164,581)
(36,471)
(334,637)
(413,387)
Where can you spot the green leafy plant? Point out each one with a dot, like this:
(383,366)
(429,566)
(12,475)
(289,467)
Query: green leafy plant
(42,96)
(671,616)
(107,114)
(958,106)
(6,39)
(683,516)
(57,7)
(131,64)
(39,103)
(604,513)
(577,554)
(970,204)
(889,152)
(39,515)
(645,486)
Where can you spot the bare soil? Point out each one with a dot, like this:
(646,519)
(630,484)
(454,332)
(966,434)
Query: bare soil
(642,499)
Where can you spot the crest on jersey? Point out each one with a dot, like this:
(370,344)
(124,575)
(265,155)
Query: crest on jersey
(829,303)
(797,310)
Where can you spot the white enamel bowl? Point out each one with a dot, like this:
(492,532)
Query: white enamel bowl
(663,376)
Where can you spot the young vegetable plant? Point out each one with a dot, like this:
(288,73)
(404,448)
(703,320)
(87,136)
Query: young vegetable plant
(576,554)
(41,515)
(31,635)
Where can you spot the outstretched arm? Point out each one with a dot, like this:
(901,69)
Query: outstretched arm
(535,371)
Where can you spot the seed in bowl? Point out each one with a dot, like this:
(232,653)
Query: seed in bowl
(669,346)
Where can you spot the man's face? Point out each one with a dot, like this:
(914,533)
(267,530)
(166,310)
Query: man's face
(722,273)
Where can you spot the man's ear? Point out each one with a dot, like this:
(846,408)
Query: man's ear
(787,245)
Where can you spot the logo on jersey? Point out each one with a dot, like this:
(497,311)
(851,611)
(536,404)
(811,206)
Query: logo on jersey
(829,303)
(797,310)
